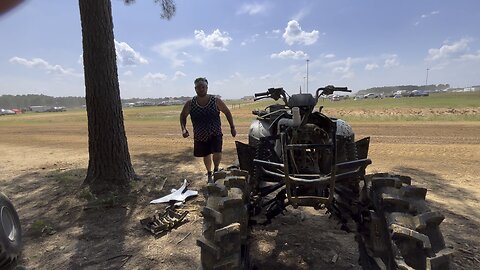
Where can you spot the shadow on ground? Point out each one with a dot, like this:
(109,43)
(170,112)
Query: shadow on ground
(304,239)
(63,229)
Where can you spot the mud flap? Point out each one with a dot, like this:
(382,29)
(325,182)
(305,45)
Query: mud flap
(246,154)
(362,147)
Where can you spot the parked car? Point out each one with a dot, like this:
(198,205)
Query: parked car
(371,95)
(6,112)
(419,93)
(334,97)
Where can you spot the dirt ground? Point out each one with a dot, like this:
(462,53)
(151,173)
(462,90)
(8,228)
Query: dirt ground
(42,169)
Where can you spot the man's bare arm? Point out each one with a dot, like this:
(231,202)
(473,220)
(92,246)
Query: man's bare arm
(183,118)
(223,108)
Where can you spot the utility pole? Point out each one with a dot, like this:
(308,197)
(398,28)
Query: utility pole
(304,83)
(426,79)
(307,74)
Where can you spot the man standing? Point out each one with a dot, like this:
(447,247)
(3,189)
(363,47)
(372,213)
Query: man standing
(204,112)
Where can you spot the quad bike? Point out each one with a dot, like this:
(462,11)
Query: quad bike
(300,157)
(10,233)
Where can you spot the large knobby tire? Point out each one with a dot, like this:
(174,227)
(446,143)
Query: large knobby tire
(224,244)
(10,232)
(398,230)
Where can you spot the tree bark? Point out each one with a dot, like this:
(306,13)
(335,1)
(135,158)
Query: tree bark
(109,163)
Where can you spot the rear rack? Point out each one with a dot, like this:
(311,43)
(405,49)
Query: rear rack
(320,186)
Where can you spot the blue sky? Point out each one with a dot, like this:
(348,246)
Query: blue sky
(244,47)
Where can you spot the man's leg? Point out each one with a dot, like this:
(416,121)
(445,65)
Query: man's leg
(207,160)
(217,157)
(201,149)
(217,143)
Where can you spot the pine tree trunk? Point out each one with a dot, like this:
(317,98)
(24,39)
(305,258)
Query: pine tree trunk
(109,163)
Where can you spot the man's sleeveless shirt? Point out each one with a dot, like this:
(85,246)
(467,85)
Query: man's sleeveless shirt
(205,119)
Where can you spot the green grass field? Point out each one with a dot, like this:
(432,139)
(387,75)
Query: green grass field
(437,100)
(436,107)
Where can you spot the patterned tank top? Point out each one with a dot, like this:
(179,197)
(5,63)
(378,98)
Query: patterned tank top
(205,119)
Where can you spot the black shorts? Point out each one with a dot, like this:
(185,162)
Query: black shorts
(205,148)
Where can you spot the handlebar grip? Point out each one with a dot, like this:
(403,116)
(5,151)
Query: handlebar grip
(342,89)
(261,94)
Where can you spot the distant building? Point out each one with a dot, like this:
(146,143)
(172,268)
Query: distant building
(144,103)
(171,101)
(471,88)
(47,109)
(39,108)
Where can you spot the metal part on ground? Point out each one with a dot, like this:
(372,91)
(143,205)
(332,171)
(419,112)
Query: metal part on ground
(163,222)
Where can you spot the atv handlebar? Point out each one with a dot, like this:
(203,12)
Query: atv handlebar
(261,94)
(274,93)
(329,89)
(277,93)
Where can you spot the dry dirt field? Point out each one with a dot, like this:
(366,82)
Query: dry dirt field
(42,168)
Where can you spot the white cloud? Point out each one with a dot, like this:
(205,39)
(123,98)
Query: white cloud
(273,34)
(448,50)
(215,41)
(391,61)
(294,34)
(173,50)
(236,78)
(128,57)
(128,73)
(42,64)
(435,12)
(329,56)
(425,16)
(253,9)
(152,78)
(342,66)
(371,66)
(251,39)
(474,57)
(265,77)
(178,74)
(289,54)
(301,14)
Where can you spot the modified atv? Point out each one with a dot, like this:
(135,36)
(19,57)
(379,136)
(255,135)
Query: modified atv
(300,157)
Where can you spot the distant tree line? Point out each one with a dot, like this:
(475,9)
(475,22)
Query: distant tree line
(390,89)
(154,100)
(24,101)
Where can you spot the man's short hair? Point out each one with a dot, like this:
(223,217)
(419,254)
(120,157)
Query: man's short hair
(201,80)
